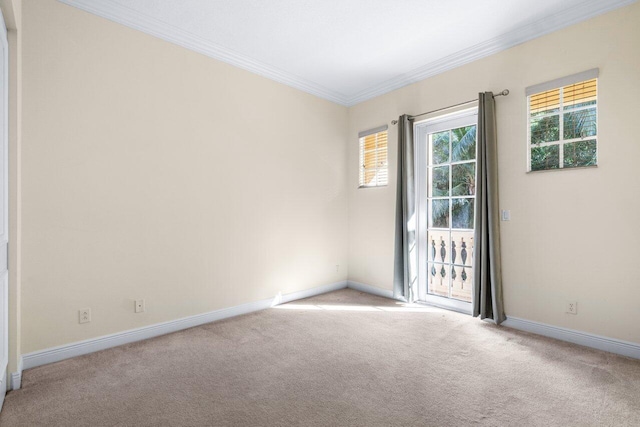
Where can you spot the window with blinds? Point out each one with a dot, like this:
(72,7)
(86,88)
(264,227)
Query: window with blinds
(563,122)
(374,170)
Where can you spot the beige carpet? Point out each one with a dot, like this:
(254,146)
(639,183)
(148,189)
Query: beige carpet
(339,359)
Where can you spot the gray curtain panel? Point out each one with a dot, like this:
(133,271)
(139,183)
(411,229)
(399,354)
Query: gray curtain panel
(405,261)
(487,297)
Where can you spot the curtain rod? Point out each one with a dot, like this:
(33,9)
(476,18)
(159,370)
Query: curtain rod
(503,93)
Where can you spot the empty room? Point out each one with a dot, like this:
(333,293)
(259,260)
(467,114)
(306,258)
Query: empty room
(319,213)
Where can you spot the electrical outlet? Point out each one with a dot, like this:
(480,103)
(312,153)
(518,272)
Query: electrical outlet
(139,308)
(84,315)
(337,267)
(572,307)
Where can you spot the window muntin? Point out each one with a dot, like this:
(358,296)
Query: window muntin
(562,126)
(374,171)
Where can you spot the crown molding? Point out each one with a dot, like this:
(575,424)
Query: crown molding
(138,21)
(505,41)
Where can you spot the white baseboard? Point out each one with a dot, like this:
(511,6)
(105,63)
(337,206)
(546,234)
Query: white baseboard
(307,293)
(15,380)
(56,354)
(612,345)
(370,289)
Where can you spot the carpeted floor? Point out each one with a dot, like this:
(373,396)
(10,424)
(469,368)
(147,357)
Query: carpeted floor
(339,359)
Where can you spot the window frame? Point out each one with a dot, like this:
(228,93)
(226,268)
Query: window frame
(560,84)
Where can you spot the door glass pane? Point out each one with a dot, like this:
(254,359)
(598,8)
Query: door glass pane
(439,247)
(463,143)
(439,150)
(462,248)
(438,282)
(462,260)
(439,181)
(462,212)
(440,213)
(461,279)
(463,176)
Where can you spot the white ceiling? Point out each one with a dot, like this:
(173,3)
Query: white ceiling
(347,51)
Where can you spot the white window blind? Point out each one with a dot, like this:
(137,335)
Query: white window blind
(374,170)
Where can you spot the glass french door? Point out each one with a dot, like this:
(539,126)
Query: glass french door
(446,176)
(4,213)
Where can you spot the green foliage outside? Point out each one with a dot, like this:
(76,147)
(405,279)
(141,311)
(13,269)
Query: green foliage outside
(453,180)
(576,124)
(581,153)
(543,158)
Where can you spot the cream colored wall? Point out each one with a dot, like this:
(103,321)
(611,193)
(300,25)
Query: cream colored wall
(150,171)
(573,234)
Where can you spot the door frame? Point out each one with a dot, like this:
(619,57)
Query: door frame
(4,210)
(460,117)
